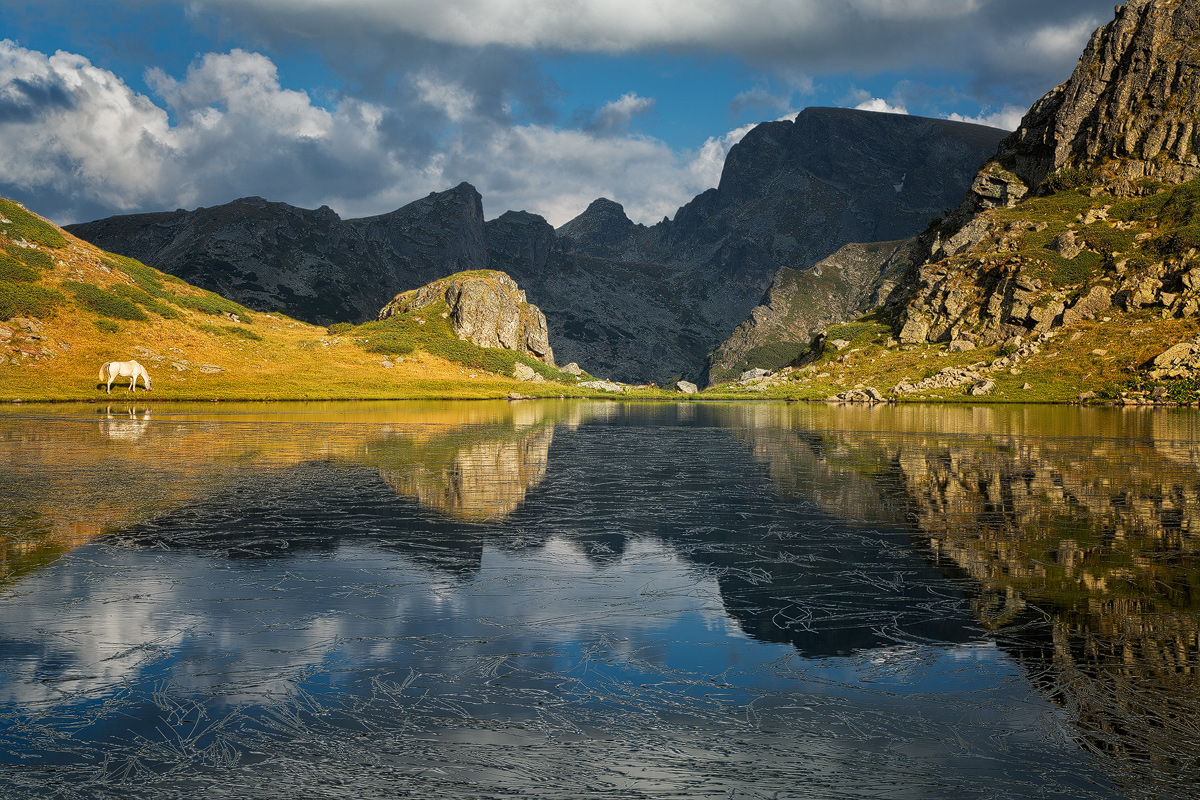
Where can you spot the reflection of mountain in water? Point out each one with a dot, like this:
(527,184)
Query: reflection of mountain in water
(471,480)
(1101,532)
(70,479)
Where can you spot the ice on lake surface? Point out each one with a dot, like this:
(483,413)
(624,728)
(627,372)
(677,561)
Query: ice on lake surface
(593,599)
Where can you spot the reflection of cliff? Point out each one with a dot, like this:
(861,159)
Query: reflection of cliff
(476,482)
(1090,517)
(68,477)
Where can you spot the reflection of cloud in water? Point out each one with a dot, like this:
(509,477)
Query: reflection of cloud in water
(545,668)
(127,617)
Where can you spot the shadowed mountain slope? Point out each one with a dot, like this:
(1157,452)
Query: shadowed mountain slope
(631,301)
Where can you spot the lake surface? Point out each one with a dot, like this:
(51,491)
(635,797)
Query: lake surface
(595,599)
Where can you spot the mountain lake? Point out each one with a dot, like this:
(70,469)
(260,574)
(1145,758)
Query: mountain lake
(578,599)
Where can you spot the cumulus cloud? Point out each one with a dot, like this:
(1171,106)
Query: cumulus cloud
(80,143)
(1007,118)
(616,116)
(882,106)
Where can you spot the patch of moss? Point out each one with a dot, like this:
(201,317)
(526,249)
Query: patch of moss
(27,300)
(1070,178)
(106,326)
(14,271)
(213,304)
(38,259)
(105,303)
(22,225)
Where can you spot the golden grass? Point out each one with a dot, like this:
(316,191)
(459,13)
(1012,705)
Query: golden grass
(260,357)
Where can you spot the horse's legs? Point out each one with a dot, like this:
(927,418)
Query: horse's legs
(110,380)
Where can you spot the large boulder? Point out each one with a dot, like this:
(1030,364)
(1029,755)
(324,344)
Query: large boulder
(487,308)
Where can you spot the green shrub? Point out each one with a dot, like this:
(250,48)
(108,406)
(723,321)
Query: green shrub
(107,326)
(143,298)
(340,327)
(14,271)
(148,279)
(23,225)
(104,303)
(213,304)
(27,300)
(31,257)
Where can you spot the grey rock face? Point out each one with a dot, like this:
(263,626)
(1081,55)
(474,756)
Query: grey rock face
(1130,109)
(486,308)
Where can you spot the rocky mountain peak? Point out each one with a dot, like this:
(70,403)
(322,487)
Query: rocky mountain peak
(1129,111)
(603,224)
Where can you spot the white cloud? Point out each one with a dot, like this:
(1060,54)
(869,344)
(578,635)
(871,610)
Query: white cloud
(449,97)
(617,115)
(881,105)
(73,127)
(84,144)
(1007,118)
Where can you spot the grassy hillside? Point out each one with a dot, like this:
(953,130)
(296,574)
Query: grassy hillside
(66,307)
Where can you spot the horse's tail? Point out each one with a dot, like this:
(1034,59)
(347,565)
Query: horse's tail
(104,371)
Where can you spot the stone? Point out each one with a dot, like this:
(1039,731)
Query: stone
(1083,398)
(1099,351)
(603,386)
(754,375)
(27,325)
(6,333)
(1027,385)
(1176,354)
(982,388)
(573,369)
(210,369)
(687,387)
(961,346)
(840,344)
(915,330)
(1066,245)
(1088,306)
(524,372)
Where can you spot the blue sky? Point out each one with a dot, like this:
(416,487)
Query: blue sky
(118,106)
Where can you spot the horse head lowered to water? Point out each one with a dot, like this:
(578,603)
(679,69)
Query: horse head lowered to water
(111,370)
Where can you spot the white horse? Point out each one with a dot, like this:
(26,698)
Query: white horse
(111,370)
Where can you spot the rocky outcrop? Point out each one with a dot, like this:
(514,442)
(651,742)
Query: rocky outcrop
(1129,111)
(1121,126)
(486,308)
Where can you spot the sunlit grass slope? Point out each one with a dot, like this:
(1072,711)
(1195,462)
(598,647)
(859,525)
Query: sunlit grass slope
(66,307)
